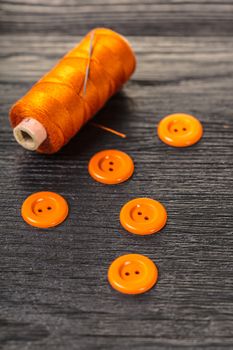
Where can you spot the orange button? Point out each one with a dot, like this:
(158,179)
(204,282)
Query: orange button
(180,130)
(143,216)
(44,209)
(132,274)
(111,167)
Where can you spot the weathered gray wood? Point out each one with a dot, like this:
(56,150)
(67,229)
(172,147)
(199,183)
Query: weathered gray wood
(134,17)
(54,291)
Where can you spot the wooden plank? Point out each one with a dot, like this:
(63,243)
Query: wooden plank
(153,17)
(54,291)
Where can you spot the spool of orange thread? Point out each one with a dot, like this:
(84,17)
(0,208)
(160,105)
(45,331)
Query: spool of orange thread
(68,96)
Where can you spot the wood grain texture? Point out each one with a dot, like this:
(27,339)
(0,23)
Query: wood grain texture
(131,17)
(54,290)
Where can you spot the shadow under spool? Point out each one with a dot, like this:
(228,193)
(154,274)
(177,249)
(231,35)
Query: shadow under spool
(56,107)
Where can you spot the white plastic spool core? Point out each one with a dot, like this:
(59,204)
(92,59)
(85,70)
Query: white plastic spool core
(30,134)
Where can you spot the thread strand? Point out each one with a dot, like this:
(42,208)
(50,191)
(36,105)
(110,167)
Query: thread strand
(109,130)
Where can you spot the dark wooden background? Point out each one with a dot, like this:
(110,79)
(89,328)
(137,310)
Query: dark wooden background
(54,290)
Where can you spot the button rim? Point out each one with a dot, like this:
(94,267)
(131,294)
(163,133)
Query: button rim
(122,177)
(194,136)
(147,228)
(141,285)
(32,219)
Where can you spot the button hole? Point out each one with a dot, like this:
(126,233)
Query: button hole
(127,273)
(110,169)
(184,129)
(146,218)
(111,163)
(40,210)
(49,208)
(139,213)
(137,272)
(175,130)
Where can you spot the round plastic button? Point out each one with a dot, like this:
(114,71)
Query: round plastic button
(111,167)
(180,130)
(44,209)
(132,274)
(143,216)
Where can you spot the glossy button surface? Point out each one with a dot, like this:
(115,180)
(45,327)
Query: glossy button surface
(44,209)
(143,216)
(180,130)
(132,274)
(111,167)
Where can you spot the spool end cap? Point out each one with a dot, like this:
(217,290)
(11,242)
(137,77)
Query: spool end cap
(30,134)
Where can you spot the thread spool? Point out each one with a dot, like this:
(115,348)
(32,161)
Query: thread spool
(58,105)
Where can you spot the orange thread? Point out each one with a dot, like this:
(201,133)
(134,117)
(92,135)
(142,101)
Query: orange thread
(109,129)
(58,100)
